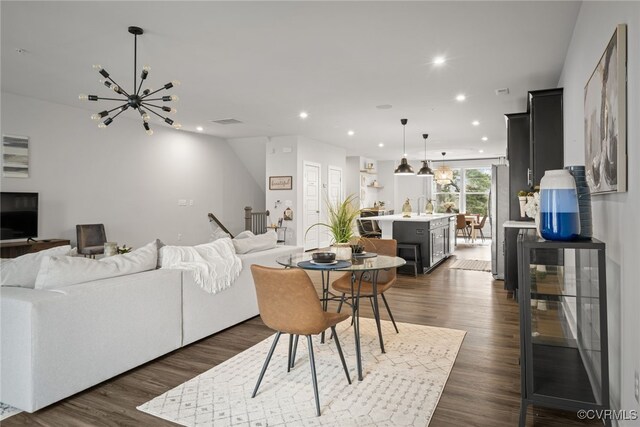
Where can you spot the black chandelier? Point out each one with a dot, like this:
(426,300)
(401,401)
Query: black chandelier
(140,101)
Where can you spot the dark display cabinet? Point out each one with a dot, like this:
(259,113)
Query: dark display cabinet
(563,324)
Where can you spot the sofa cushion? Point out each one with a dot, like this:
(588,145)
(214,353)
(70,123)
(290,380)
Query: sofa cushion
(23,270)
(247,242)
(60,271)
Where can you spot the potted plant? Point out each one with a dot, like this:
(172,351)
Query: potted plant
(341,218)
(448,207)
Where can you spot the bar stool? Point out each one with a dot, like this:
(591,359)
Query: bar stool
(415,260)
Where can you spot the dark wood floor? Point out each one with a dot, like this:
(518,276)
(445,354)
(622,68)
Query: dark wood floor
(483,389)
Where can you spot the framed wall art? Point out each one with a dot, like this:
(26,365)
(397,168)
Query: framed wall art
(605,118)
(15,156)
(280,183)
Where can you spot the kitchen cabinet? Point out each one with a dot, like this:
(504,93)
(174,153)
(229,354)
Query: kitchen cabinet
(546,133)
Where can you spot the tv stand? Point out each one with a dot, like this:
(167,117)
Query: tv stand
(15,249)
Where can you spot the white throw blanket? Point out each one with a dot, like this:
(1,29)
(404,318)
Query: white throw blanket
(215,266)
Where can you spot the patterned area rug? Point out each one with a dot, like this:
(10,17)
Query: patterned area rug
(7,411)
(400,388)
(471,264)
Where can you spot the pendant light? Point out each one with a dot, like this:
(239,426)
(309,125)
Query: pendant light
(444,174)
(137,99)
(425,170)
(404,168)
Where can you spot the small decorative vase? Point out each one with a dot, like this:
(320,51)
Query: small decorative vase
(406,209)
(449,210)
(428,207)
(523,201)
(559,216)
(110,248)
(342,250)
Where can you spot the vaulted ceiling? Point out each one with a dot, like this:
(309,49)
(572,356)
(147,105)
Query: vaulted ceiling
(264,62)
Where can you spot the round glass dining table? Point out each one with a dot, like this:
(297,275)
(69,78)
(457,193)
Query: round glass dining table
(365,267)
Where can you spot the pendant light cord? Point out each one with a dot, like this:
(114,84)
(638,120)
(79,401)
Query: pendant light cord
(404,141)
(135,62)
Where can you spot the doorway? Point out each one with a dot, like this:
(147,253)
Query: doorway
(311,205)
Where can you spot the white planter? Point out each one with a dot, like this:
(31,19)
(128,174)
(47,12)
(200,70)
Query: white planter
(523,201)
(342,251)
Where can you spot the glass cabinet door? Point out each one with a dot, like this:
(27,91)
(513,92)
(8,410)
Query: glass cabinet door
(564,350)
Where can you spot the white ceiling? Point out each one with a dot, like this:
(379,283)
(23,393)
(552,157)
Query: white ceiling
(264,62)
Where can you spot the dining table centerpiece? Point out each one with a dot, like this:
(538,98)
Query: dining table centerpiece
(341,218)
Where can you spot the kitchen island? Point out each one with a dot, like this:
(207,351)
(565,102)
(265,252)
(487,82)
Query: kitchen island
(434,233)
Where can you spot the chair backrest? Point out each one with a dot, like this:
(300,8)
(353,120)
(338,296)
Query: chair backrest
(461,221)
(287,300)
(90,235)
(256,222)
(388,247)
(482,221)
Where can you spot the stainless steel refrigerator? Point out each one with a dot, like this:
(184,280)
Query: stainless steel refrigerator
(499,214)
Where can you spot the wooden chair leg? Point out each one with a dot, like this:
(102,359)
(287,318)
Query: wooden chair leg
(313,374)
(266,363)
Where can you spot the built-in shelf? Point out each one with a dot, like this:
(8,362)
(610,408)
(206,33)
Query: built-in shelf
(369,171)
(375,186)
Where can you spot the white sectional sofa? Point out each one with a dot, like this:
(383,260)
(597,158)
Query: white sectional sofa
(55,343)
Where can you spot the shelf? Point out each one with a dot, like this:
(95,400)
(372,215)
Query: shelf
(369,171)
(375,186)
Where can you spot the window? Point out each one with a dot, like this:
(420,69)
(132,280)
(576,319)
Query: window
(446,194)
(477,184)
(469,191)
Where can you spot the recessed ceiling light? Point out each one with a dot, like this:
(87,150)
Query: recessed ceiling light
(475,123)
(461,97)
(303,115)
(199,128)
(480,151)
(381,145)
(351,133)
(484,138)
(439,60)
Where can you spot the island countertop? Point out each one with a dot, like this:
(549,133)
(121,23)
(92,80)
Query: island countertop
(386,221)
(414,217)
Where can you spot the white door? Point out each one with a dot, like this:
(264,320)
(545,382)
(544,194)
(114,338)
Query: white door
(311,205)
(335,185)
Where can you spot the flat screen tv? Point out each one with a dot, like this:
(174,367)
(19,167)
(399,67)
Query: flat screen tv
(18,215)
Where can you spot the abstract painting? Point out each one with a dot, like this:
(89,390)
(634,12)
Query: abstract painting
(605,118)
(15,156)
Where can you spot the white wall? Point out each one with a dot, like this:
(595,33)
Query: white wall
(612,214)
(124,178)
(282,160)
(252,153)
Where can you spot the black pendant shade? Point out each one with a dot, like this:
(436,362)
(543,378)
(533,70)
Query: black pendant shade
(404,168)
(425,170)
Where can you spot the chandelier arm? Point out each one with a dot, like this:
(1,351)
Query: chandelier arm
(119,112)
(146,104)
(114,109)
(151,111)
(111,99)
(114,82)
(139,87)
(151,93)
(152,99)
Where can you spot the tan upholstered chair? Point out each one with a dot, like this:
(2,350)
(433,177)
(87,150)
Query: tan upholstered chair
(481,226)
(91,239)
(386,278)
(289,304)
(461,225)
